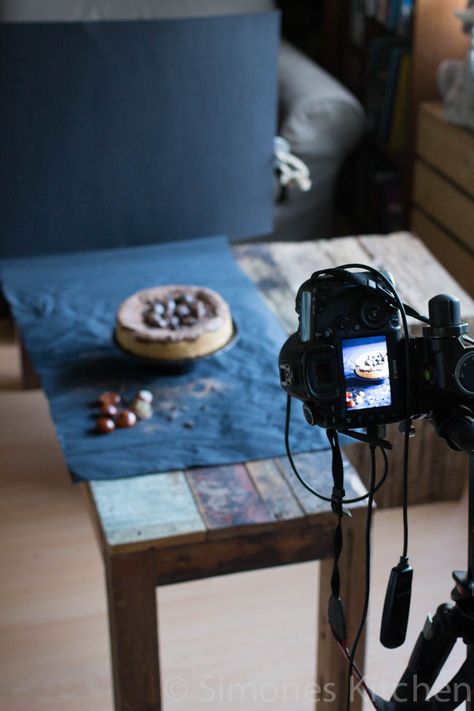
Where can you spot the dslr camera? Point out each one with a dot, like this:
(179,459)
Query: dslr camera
(352,362)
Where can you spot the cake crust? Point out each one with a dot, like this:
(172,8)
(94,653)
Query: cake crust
(373,366)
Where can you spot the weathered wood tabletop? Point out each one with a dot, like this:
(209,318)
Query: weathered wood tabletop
(194,505)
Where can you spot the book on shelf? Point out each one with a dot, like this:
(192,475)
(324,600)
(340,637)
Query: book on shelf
(381,12)
(393,96)
(396,15)
(393,14)
(370,8)
(357,22)
(405,18)
(382,67)
(399,129)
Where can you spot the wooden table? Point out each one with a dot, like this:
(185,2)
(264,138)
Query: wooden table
(178,526)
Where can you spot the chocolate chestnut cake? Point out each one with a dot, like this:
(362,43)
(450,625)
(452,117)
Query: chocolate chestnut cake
(174,322)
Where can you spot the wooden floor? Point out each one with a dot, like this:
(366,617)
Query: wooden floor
(242,642)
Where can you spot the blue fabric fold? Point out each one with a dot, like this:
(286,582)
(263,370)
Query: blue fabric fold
(225,410)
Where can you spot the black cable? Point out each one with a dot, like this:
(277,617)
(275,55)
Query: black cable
(408,420)
(308,486)
(368,530)
(406,442)
(373,487)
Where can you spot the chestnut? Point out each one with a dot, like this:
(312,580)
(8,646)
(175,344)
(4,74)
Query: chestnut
(108,408)
(126,418)
(110,396)
(104,425)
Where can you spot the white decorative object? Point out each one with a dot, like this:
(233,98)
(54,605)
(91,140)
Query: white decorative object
(456,80)
(291,171)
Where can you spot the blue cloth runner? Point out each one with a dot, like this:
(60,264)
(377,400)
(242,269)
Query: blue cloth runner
(225,410)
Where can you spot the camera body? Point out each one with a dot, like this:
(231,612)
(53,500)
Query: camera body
(348,360)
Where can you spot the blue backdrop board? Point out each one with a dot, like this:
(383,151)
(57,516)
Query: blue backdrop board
(226,410)
(117,133)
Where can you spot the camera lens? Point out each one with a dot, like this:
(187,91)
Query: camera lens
(373,313)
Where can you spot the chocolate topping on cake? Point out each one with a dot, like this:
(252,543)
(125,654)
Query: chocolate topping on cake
(176,312)
(173,313)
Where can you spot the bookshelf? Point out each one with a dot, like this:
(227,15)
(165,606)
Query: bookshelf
(388,52)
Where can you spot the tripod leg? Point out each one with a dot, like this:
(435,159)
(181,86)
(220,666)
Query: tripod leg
(470,572)
(431,650)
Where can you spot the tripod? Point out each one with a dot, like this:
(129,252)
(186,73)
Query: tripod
(451,621)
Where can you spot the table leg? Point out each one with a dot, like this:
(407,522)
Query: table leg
(332,667)
(131,583)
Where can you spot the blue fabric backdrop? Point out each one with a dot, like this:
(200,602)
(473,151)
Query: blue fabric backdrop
(124,133)
(226,410)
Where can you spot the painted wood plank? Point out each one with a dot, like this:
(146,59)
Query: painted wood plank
(257,262)
(274,490)
(298,260)
(158,509)
(316,469)
(345,250)
(227,499)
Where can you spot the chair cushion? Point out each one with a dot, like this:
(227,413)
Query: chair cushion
(318,115)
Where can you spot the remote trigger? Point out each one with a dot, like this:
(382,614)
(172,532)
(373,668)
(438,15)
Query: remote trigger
(396,609)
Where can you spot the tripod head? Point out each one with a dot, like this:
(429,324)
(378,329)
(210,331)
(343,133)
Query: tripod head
(456,427)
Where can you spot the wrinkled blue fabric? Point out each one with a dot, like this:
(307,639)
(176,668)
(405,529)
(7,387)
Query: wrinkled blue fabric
(225,410)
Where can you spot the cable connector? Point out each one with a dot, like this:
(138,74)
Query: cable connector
(337,618)
(337,498)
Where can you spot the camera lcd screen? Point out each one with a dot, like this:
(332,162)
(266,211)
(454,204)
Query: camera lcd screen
(366,373)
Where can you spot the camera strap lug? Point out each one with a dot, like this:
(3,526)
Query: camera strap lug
(403,426)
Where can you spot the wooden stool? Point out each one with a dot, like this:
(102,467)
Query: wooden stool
(178,526)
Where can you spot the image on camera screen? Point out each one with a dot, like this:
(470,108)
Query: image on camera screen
(366,372)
